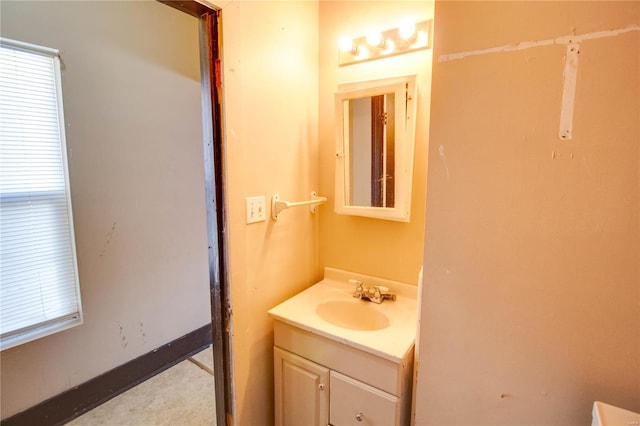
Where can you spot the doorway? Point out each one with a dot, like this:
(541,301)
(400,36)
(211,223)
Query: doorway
(211,84)
(103,152)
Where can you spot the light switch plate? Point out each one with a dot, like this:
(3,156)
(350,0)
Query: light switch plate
(256,207)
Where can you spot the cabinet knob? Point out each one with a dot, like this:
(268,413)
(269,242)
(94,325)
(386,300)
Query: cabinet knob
(321,386)
(359,417)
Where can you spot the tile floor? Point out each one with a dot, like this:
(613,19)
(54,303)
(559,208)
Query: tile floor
(182,395)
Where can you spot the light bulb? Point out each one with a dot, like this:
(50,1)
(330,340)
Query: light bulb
(407,31)
(345,44)
(374,38)
(423,38)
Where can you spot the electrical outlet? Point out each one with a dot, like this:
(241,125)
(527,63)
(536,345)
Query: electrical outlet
(256,209)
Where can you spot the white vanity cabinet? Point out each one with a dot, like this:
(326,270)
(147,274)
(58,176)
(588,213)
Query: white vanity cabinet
(319,381)
(341,360)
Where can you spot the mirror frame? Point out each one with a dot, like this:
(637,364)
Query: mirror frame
(404,88)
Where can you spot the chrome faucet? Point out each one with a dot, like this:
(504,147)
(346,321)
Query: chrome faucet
(375,294)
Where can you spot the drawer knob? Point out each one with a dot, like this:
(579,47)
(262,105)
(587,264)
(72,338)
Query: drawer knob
(321,386)
(359,417)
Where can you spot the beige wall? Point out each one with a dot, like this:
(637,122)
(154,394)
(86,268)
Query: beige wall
(376,247)
(280,74)
(531,296)
(132,108)
(270,59)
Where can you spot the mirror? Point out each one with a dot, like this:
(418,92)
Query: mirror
(375,130)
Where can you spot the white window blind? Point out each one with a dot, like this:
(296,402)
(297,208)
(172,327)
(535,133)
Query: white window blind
(39,290)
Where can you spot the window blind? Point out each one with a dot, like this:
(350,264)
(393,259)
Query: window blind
(39,289)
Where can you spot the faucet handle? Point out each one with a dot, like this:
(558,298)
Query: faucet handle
(359,289)
(357,283)
(385,293)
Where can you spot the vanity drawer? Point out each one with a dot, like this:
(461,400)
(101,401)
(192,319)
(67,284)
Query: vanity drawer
(355,403)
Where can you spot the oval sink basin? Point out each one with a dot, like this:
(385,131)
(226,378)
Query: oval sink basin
(354,315)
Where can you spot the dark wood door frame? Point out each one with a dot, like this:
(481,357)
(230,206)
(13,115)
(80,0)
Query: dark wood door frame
(377,151)
(211,86)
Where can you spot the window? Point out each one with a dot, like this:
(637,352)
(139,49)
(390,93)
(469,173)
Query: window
(39,289)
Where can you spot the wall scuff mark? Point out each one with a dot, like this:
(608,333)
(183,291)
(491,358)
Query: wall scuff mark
(109,236)
(123,338)
(444,159)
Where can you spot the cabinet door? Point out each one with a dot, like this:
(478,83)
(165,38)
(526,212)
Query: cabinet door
(301,391)
(354,403)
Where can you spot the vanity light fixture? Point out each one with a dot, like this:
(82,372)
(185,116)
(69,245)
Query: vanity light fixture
(408,37)
(345,44)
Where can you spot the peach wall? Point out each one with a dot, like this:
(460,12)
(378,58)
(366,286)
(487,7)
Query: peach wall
(376,247)
(531,298)
(133,118)
(270,60)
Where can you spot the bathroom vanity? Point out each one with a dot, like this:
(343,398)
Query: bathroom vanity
(340,360)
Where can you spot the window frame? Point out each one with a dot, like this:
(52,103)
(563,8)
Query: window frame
(45,328)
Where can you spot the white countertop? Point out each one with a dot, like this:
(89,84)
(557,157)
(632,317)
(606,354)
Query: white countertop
(392,342)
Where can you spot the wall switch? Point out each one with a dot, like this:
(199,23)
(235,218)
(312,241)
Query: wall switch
(256,209)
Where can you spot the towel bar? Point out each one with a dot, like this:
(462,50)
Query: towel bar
(277,205)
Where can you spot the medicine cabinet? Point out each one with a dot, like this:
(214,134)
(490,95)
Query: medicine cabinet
(375,132)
